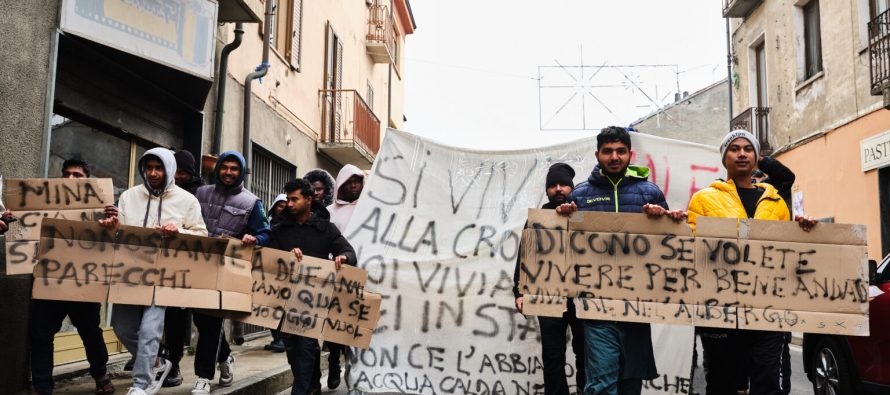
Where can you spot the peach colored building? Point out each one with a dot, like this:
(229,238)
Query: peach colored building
(805,80)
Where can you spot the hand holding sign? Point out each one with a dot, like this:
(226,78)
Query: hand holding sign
(567,209)
(655,211)
(339,260)
(168,229)
(807,222)
(248,240)
(298,253)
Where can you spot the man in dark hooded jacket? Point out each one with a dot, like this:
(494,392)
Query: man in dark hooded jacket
(229,209)
(559,184)
(619,354)
(186,176)
(303,232)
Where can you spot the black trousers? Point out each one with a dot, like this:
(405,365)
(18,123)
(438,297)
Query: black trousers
(553,351)
(46,321)
(176,330)
(727,351)
(212,345)
(303,356)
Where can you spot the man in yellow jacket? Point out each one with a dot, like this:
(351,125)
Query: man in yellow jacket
(728,350)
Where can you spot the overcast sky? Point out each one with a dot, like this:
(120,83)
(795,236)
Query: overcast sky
(472,67)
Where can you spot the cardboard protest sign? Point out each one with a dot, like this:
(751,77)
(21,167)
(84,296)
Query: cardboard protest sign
(32,200)
(84,261)
(748,274)
(308,298)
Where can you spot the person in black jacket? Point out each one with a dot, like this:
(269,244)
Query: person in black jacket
(303,232)
(553,330)
(619,355)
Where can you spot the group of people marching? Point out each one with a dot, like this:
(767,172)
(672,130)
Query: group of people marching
(306,219)
(615,357)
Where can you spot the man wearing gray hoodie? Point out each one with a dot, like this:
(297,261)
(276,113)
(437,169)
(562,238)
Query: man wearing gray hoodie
(158,204)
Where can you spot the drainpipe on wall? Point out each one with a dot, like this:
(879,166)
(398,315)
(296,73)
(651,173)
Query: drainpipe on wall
(389,80)
(221,88)
(729,68)
(261,70)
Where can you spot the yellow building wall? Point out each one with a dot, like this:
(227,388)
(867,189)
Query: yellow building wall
(829,173)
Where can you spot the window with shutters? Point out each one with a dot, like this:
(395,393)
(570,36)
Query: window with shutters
(369,98)
(269,174)
(333,86)
(287,27)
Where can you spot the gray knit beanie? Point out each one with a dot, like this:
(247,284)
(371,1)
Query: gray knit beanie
(736,134)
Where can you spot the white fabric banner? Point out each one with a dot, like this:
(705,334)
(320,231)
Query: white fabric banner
(438,229)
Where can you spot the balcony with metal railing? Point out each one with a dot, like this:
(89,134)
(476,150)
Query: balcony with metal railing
(879,55)
(380,40)
(739,8)
(350,132)
(756,121)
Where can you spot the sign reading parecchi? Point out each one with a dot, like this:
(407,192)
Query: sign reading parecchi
(308,298)
(32,200)
(748,274)
(83,261)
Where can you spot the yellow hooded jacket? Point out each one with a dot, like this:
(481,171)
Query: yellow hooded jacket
(722,200)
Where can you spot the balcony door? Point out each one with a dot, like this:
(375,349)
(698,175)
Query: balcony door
(333,85)
(760,75)
(759,125)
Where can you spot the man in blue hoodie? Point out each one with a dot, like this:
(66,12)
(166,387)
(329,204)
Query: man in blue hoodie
(618,355)
(229,209)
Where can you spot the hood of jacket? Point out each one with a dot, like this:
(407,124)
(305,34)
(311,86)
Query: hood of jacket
(280,198)
(326,179)
(169,162)
(229,155)
(633,174)
(345,173)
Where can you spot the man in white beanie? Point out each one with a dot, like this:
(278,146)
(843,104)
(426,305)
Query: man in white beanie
(729,350)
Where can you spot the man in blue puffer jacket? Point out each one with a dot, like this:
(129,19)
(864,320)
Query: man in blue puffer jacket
(619,355)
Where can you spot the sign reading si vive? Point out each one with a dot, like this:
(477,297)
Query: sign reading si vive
(438,229)
(748,274)
(178,33)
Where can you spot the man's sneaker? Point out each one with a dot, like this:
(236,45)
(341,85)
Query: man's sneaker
(227,371)
(174,379)
(136,391)
(159,372)
(202,386)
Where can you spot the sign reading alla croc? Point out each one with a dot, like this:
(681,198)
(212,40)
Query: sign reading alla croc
(83,261)
(439,228)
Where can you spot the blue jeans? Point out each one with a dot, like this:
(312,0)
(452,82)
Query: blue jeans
(604,357)
(139,328)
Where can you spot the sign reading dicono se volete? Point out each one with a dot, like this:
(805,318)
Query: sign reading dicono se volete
(178,33)
(749,274)
(438,229)
(875,151)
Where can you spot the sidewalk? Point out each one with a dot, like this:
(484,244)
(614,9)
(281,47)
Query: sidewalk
(256,372)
